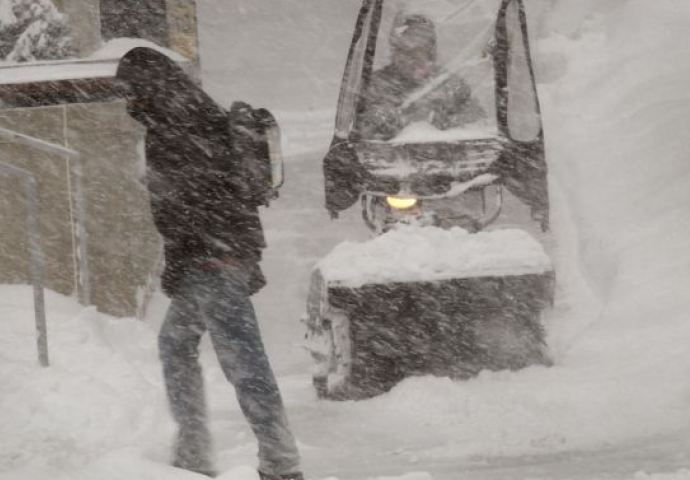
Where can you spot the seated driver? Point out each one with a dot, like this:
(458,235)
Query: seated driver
(388,109)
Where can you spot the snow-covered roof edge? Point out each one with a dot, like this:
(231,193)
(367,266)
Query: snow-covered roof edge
(101,64)
(117,48)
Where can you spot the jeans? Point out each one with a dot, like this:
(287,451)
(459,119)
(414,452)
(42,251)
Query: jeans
(218,301)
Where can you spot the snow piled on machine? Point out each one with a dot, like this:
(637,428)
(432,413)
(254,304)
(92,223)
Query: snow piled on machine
(101,64)
(116,48)
(410,253)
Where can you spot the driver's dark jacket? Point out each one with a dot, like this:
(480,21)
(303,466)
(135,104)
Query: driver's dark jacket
(199,201)
(449,105)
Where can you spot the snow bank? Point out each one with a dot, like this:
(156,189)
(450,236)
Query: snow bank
(618,145)
(99,411)
(411,254)
(7,16)
(618,148)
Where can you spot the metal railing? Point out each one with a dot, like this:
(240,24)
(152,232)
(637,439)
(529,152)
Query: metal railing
(29,180)
(83,280)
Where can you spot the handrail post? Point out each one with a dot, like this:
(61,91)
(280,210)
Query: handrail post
(82,236)
(36,254)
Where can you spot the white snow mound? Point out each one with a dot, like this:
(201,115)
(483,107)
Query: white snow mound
(414,253)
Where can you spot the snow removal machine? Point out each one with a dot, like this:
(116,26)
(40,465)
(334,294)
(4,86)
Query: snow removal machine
(439,136)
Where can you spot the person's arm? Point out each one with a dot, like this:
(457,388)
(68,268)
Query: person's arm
(455,105)
(381,118)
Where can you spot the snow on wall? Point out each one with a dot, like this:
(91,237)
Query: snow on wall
(101,64)
(7,16)
(626,180)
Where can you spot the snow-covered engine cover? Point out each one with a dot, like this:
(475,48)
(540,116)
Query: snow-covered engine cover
(411,253)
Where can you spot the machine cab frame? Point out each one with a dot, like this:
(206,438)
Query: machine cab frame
(512,107)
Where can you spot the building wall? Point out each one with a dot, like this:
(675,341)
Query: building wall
(84,18)
(87,24)
(124,250)
(183,28)
(135,19)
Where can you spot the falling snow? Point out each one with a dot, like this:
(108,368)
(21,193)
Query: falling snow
(613,82)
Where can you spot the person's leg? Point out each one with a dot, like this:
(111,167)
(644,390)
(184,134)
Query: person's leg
(231,322)
(179,352)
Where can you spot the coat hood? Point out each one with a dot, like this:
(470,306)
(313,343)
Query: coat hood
(161,95)
(414,30)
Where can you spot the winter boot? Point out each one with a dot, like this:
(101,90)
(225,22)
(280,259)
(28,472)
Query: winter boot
(285,476)
(193,452)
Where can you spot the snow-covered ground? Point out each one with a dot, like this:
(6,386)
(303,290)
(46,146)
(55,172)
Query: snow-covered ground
(616,404)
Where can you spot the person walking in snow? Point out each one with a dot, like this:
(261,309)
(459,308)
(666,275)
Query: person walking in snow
(213,241)
(445,100)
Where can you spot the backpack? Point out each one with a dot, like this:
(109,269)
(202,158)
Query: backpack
(256,144)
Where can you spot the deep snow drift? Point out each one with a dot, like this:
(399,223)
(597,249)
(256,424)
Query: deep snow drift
(614,90)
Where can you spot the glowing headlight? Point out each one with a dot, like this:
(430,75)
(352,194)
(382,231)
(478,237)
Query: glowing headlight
(401,203)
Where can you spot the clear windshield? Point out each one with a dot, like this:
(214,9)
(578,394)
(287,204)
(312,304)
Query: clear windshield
(433,76)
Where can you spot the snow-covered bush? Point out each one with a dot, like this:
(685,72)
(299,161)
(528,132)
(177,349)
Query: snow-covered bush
(34,30)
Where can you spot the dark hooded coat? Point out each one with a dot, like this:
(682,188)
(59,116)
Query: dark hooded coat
(200,204)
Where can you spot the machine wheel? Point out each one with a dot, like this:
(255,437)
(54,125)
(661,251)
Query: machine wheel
(341,373)
(333,368)
(509,343)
